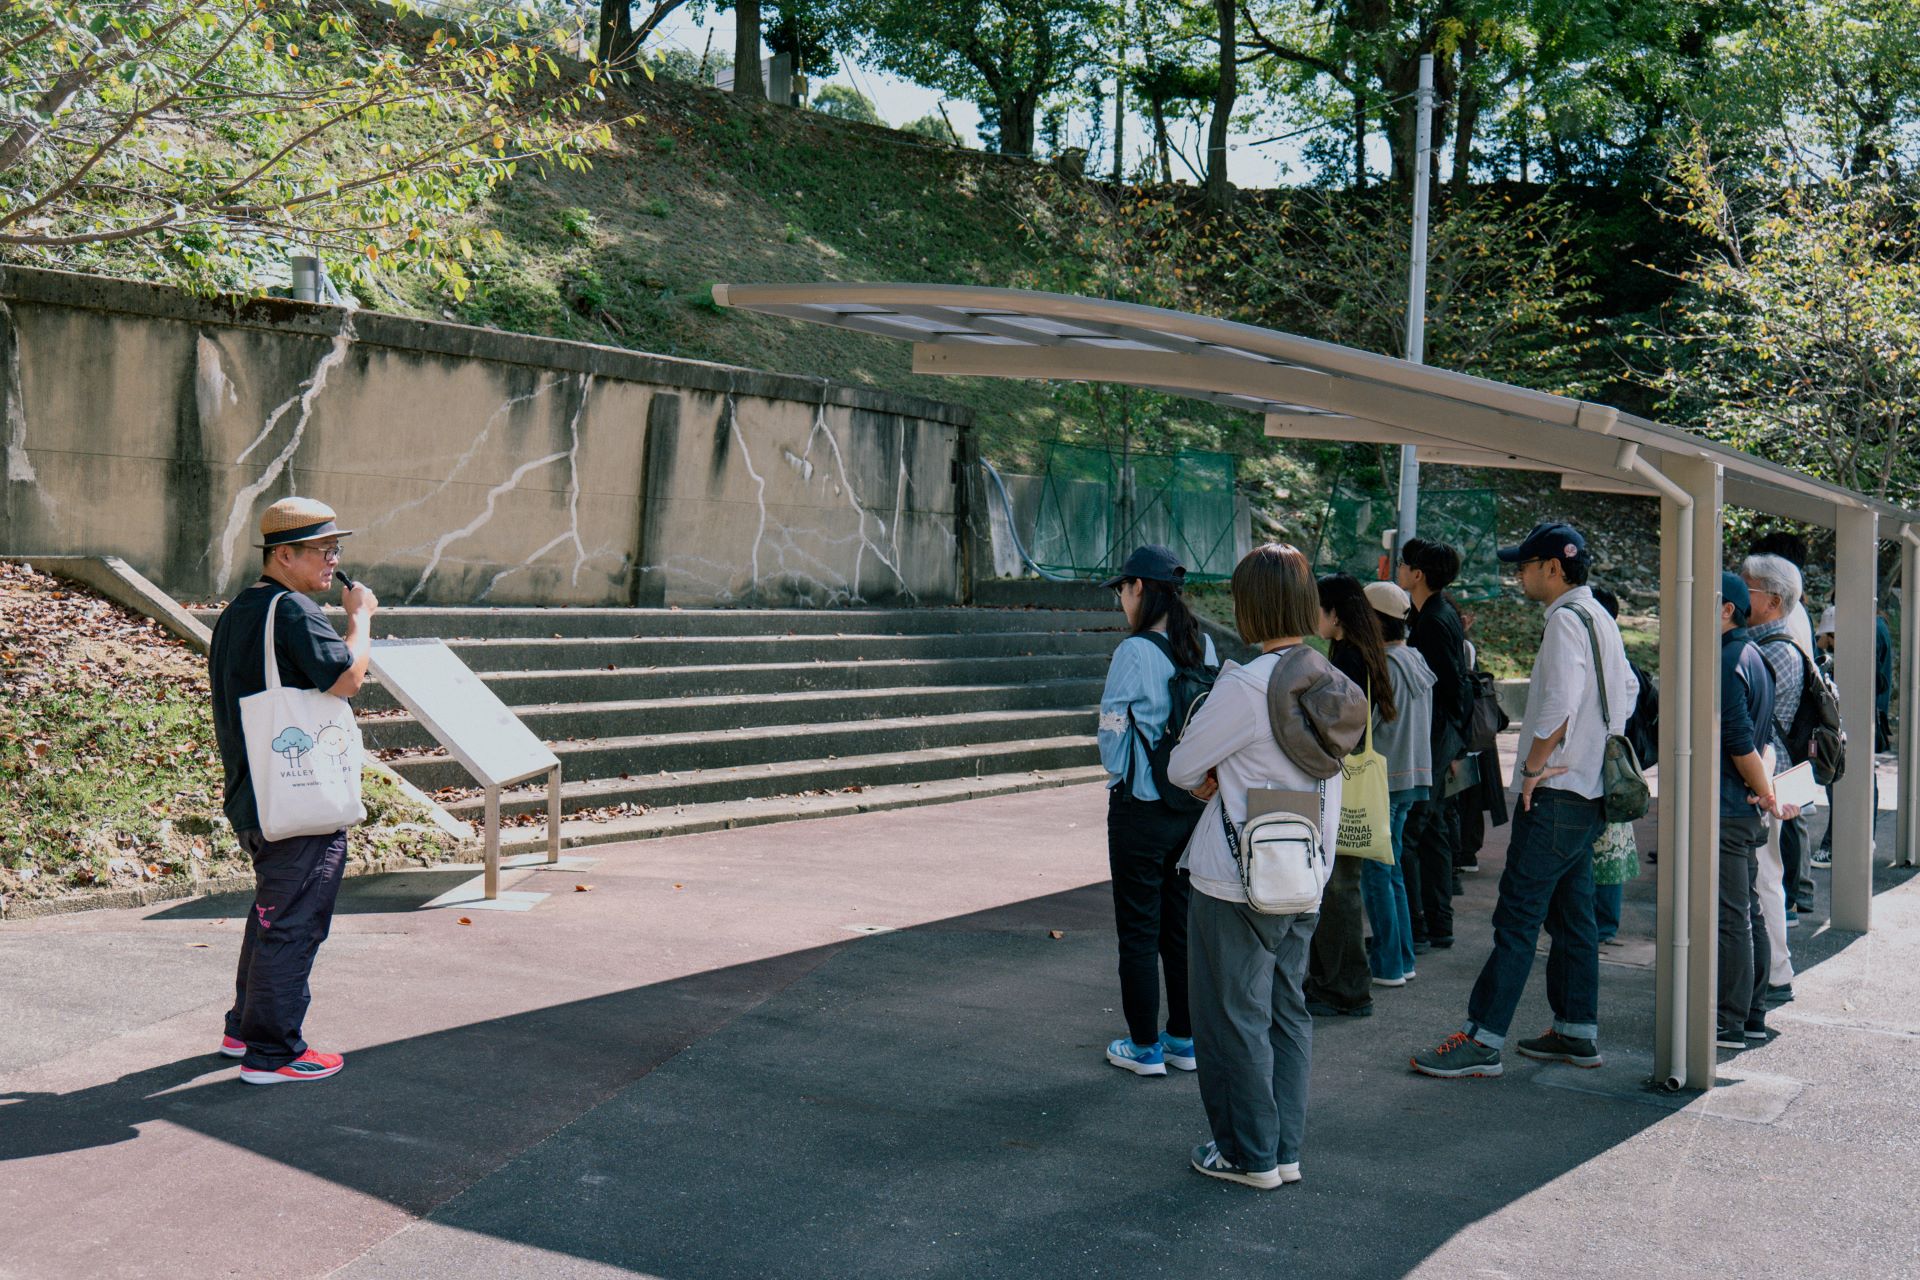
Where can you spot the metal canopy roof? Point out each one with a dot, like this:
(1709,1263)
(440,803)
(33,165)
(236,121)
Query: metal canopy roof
(1306,389)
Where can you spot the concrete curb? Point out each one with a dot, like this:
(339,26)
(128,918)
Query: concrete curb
(121,583)
(13,909)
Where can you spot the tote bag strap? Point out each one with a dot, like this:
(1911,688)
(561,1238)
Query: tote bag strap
(273,665)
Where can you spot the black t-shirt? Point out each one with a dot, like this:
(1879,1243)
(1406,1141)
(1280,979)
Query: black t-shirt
(311,655)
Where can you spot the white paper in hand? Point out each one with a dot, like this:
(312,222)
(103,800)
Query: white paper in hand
(1797,787)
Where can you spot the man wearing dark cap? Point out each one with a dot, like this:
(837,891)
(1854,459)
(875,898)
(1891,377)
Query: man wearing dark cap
(1549,872)
(1746,791)
(297,879)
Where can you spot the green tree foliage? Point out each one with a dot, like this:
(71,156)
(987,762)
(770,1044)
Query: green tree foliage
(1798,336)
(845,103)
(202,140)
(1004,55)
(932,127)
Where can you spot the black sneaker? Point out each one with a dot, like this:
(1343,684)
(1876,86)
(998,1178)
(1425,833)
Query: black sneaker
(1421,946)
(1554,1047)
(1779,995)
(1730,1040)
(1440,944)
(1321,1009)
(1756,1029)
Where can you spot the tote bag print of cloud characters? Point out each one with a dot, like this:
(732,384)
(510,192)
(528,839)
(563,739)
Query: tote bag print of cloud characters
(303,749)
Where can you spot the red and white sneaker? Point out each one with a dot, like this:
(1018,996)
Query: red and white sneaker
(311,1065)
(231,1048)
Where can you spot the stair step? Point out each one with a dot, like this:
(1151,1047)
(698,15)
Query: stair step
(660,651)
(689,787)
(625,683)
(633,717)
(692,819)
(775,745)
(534,624)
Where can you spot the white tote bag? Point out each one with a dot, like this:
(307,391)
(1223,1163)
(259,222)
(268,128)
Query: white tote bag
(303,749)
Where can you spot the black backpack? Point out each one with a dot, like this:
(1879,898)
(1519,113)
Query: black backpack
(1188,688)
(1815,733)
(1643,726)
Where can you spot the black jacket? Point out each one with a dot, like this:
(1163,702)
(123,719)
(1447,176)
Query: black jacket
(1437,635)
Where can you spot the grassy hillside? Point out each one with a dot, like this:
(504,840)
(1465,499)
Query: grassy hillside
(109,776)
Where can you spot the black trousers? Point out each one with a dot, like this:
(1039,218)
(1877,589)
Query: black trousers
(1145,839)
(295,883)
(1432,831)
(1745,954)
(1795,862)
(1337,972)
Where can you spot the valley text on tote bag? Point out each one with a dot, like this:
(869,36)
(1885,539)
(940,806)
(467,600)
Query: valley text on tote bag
(303,748)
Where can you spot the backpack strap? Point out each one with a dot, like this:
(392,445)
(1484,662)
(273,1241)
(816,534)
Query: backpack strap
(1599,671)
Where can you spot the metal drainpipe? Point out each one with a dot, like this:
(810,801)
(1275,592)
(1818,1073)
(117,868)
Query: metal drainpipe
(1680,697)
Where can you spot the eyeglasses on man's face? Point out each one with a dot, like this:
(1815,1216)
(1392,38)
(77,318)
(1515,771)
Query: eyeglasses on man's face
(331,551)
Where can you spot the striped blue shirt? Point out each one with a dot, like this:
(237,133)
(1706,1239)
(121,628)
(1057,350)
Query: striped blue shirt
(1137,683)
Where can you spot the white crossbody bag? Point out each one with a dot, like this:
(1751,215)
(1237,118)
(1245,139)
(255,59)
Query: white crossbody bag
(1282,854)
(303,750)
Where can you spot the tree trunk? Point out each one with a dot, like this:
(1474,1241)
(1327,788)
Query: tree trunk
(1359,140)
(1160,147)
(1466,116)
(746,50)
(615,48)
(1219,190)
(1016,123)
(1119,128)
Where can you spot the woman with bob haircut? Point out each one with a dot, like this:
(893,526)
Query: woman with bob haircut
(1145,834)
(1251,1028)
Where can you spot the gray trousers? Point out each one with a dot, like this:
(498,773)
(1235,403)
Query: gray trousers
(1745,954)
(1251,1030)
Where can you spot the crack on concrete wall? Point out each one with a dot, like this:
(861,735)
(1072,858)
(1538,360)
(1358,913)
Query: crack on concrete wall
(213,390)
(547,383)
(571,453)
(19,462)
(243,501)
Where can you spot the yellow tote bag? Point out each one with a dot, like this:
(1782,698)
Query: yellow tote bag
(1366,807)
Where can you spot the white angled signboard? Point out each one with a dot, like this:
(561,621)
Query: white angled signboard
(476,728)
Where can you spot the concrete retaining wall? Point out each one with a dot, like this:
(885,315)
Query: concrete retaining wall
(476,466)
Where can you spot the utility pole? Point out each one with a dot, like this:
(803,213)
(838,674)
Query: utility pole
(1417,289)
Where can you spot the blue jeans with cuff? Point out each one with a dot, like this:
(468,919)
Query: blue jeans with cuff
(1383,891)
(1548,880)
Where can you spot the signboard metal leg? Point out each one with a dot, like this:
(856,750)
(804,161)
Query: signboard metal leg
(553,815)
(493,844)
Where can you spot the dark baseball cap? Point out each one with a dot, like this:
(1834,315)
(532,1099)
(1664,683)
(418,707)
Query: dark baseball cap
(1734,590)
(1553,540)
(1150,561)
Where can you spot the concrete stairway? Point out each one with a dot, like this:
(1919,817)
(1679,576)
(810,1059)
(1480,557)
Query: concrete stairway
(671,721)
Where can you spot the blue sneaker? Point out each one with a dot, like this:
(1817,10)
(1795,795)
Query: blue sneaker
(1142,1060)
(1177,1052)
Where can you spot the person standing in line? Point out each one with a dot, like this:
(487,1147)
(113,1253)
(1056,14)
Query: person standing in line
(1882,693)
(1549,873)
(1407,745)
(1146,833)
(1250,1020)
(1773,591)
(1796,844)
(1746,792)
(296,880)
(1339,981)
(1616,854)
(1435,632)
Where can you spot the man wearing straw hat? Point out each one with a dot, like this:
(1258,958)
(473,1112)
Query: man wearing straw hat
(297,879)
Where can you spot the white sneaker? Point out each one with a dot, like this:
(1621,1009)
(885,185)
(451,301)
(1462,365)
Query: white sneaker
(1206,1158)
(1390,982)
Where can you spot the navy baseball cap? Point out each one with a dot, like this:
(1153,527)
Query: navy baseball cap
(1553,540)
(1733,590)
(1150,561)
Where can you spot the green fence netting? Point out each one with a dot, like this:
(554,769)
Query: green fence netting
(1358,517)
(1093,509)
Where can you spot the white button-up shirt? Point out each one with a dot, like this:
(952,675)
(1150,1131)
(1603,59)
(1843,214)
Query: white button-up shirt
(1563,691)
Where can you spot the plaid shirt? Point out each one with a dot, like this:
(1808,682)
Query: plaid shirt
(1783,658)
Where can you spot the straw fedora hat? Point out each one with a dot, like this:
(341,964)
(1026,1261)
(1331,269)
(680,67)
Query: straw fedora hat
(293,520)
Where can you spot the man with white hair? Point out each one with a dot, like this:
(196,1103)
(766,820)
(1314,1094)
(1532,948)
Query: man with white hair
(1774,587)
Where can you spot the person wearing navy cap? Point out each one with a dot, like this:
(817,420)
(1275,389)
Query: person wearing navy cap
(1746,791)
(1149,821)
(1549,873)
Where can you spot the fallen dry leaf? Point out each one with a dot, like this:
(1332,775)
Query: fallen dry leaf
(201,945)
(465,920)
(1055,934)
(678,886)
(583,888)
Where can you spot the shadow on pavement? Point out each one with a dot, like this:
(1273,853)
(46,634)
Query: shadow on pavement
(360,895)
(931,1101)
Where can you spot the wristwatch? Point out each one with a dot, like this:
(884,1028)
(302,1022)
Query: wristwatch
(1531,773)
